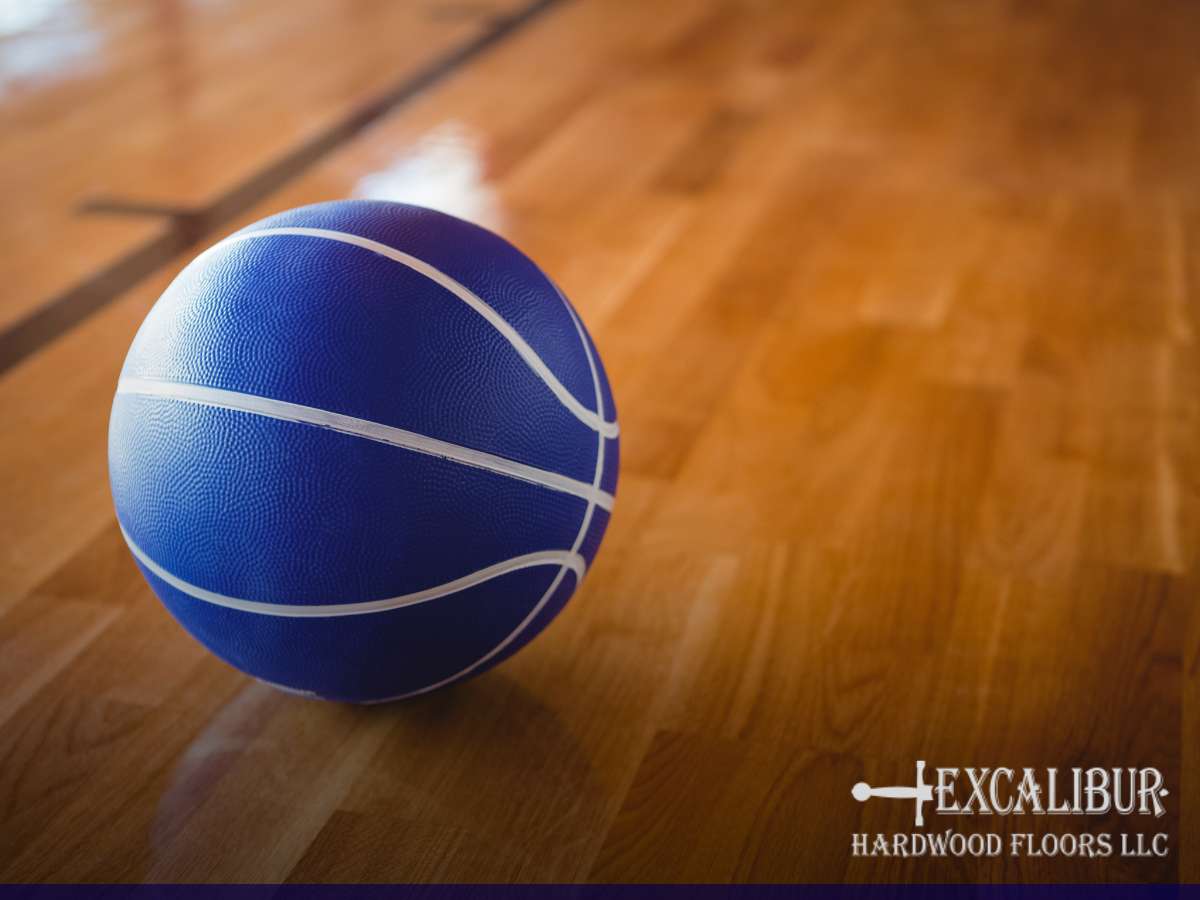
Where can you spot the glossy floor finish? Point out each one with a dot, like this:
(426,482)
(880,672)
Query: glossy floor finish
(899,302)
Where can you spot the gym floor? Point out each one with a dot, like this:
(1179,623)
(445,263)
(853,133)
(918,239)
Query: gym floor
(899,303)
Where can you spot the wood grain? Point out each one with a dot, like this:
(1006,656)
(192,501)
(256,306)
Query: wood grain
(899,302)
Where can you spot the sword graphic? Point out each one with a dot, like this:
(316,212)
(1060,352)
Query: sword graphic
(921,793)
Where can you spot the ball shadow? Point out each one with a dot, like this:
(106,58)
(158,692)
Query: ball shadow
(483,771)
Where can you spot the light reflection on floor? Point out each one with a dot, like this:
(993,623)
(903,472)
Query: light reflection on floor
(443,171)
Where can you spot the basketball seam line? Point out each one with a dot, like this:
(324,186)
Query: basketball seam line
(593,420)
(587,518)
(375,431)
(565,560)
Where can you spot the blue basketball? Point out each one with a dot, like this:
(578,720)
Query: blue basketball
(363,450)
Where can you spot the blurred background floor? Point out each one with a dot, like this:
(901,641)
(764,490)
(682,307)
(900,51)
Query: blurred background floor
(899,306)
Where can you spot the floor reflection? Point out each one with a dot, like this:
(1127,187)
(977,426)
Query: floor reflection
(44,40)
(443,171)
(485,762)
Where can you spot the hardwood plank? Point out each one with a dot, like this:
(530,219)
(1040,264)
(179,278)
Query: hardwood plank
(693,794)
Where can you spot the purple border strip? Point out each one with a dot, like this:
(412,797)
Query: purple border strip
(591,892)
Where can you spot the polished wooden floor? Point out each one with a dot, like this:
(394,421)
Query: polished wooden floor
(900,306)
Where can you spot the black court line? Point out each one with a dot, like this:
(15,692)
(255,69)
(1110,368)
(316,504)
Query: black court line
(117,207)
(187,227)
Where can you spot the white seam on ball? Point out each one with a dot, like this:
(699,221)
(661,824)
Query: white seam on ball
(364,428)
(595,421)
(562,558)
